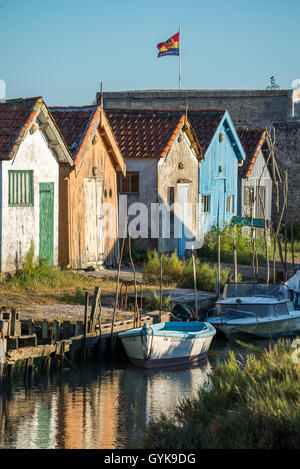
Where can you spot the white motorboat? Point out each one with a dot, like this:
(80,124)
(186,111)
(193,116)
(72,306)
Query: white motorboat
(167,343)
(255,309)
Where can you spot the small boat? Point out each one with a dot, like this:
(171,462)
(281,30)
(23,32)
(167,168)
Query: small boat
(167,343)
(255,309)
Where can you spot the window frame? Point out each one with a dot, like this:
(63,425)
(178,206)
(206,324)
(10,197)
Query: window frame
(11,180)
(230,197)
(205,202)
(120,182)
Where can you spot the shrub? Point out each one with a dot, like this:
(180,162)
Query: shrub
(242,237)
(152,301)
(250,404)
(180,272)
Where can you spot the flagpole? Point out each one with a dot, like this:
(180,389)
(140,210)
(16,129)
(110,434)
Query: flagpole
(179,57)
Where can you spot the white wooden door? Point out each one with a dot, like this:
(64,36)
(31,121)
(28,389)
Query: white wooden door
(100,219)
(94,230)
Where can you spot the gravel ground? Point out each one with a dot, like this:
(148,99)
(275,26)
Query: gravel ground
(66,312)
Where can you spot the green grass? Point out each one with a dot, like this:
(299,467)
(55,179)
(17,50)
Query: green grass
(38,272)
(251,403)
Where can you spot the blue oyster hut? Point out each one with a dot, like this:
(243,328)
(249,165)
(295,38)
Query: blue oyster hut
(221,155)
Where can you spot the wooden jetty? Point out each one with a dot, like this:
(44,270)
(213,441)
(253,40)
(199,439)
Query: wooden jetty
(46,345)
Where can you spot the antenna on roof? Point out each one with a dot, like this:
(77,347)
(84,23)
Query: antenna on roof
(273,85)
(101,95)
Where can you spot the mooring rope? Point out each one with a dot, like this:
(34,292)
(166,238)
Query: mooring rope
(147,356)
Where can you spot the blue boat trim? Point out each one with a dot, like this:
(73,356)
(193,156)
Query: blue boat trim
(184,330)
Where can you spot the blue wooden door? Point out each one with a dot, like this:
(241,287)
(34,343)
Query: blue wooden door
(221,203)
(182,198)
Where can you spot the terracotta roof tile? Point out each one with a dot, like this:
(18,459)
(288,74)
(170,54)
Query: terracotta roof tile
(252,140)
(16,116)
(75,124)
(149,133)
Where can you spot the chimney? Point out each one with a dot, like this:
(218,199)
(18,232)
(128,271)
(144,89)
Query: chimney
(2,91)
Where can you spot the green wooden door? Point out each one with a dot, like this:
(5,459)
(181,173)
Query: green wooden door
(46,220)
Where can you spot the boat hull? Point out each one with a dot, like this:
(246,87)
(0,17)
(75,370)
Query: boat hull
(162,351)
(273,327)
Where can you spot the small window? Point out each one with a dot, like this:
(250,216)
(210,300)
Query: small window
(20,188)
(130,183)
(229,204)
(205,203)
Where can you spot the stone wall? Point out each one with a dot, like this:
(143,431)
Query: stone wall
(256,107)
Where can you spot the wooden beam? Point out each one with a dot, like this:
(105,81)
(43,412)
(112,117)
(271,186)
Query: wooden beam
(53,144)
(43,126)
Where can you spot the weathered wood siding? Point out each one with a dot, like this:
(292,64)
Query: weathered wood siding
(21,224)
(259,170)
(72,231)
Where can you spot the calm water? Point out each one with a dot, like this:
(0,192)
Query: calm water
(94,408)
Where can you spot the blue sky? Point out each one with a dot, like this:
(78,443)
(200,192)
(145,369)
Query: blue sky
(63,49)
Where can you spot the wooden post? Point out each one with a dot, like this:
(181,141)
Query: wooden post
(118,279)
(29,371)
(195,282)
(66,329)
(13,322)
(45,329)
(30,327)
(135,285)
(292,245)
(79,328)
(161,278)
(56,331)
(235,261)
(219,265)
(285,247)
(94,310)
(86,304)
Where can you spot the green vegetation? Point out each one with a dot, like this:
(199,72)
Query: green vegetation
(241,234)
(252,403)
(180,272)
(152,302)
(41,283)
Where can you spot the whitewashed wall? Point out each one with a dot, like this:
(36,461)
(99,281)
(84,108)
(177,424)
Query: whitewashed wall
(20,225)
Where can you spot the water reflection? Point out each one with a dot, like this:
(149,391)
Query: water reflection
(93,409)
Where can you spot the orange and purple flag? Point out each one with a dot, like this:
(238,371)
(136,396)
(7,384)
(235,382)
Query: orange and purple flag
(169,47)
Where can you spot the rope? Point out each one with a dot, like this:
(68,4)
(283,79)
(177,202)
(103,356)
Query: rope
(147,356)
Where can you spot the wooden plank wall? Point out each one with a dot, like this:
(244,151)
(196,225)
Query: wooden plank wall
(72,242)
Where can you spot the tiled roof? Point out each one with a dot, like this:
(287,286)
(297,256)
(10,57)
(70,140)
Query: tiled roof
(16,116)
(252,140)
(205,123)
(144,133)
(76,125)
(149,133)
